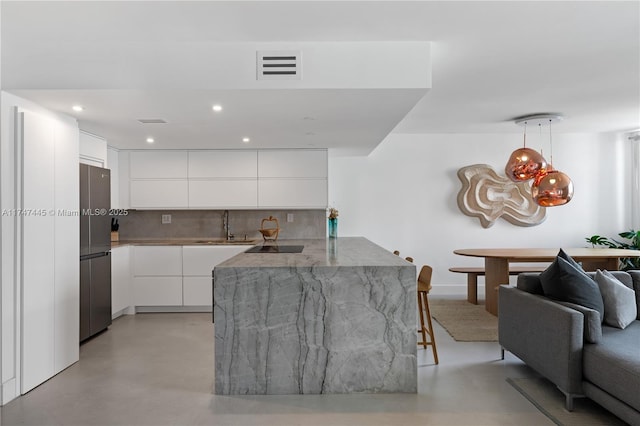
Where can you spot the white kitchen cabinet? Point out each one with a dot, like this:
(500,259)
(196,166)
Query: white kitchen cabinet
(172,276)
(298,163)
(292,193)
(200,260)
(197,268)
(121,297)
(67,250)
(157,261)
(158,179)
(292,178)
(159,194)
(223,179)
(47,178)
(157,291)
(223,164)
(223,193)
(38,245)
(157,275)
(158,165)
(197,291)
(93,150)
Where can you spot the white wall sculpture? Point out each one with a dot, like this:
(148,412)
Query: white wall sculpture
(488,196)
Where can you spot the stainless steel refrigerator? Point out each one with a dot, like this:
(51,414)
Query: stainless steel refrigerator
(95,249)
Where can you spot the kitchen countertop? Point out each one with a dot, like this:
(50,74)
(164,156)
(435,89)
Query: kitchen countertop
(183,242)
(347,251)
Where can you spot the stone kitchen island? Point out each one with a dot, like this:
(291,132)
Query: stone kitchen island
(339,317)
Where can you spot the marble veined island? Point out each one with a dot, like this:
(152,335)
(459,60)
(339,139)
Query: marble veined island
(339,317)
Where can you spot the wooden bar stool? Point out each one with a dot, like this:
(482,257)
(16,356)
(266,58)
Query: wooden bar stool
(424,286)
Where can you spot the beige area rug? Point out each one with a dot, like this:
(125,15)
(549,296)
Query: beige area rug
(550,401)
(465,322)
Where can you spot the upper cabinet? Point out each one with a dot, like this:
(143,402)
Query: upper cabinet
(292,178)
(298,163)
(93,150)
(158,165)
(223,164)
(221,179)
(158,179)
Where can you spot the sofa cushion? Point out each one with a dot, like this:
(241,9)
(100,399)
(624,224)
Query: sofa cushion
(613,365)
(529,282)
(592,330)
(635,279)
(619,300)
(563,281)
(565,256)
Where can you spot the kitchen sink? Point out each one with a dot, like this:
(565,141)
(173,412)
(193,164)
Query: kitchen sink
(224,242)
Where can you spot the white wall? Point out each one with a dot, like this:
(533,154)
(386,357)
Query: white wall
(635,189)
(403,196)
(113,164)
(9,334)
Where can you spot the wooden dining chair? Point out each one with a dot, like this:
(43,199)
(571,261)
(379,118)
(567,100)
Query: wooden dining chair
(424,286)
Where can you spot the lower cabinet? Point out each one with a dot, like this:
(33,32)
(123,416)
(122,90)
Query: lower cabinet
(197,266)
(176,276)
(157,291)
(196,291)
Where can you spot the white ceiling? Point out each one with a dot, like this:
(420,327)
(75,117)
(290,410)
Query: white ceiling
(491,62)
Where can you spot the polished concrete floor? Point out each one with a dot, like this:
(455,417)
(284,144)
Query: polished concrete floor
(157,369)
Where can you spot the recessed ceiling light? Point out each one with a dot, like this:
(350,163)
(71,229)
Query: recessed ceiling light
(246,140)
(150,140)
(217,108)
(77,108)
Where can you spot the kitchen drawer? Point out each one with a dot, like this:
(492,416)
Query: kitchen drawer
(157,261)
(197,291)
(200,261)
(157,291)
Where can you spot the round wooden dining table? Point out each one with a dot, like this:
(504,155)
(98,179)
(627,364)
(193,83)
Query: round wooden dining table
(497,260)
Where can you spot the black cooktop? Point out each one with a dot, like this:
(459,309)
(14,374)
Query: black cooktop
(275,249)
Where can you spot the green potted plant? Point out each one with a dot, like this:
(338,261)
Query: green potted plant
(633,243)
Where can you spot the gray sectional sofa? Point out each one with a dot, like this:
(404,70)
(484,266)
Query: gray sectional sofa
(567,344)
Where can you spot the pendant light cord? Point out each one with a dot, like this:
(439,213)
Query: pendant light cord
(550,145)
(540,138)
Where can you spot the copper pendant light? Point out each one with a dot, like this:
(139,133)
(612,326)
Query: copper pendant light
(551,187)
(524,163)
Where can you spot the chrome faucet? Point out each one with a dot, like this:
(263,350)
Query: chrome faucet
(225,225)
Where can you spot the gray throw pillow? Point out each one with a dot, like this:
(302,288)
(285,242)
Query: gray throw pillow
(592,322)
(569,259)
(619,300)
(553,268)
(563,281)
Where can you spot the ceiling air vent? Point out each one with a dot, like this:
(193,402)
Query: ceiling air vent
(152,121)
(279,65)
